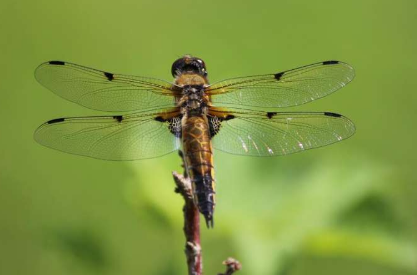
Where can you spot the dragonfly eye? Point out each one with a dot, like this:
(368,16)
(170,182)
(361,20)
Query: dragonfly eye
(188,64)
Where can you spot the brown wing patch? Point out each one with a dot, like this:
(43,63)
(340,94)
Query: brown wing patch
(216,117)
(173,117)
(167,114)
(221,113)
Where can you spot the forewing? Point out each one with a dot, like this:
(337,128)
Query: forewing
(274,134)
(136,136)
(104,91)
(285,89)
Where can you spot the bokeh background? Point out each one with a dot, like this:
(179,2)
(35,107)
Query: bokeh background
(349,208)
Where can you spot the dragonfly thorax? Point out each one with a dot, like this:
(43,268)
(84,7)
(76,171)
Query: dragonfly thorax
(193,99)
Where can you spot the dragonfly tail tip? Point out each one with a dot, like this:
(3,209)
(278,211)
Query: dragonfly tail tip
(209,221)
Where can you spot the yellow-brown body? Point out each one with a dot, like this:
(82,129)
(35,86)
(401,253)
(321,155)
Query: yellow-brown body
(196,141)
(198,157)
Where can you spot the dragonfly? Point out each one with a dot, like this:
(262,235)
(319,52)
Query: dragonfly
(152,117)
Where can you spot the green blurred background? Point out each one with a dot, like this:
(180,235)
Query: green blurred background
(349,208)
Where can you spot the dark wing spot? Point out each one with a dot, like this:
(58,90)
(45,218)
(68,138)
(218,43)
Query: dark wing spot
(332,114)
(56,63)
(331,62)
(271,114)
(160,119)
(52,121)
(109,76)
(229,117)
(278,76)
(118,118)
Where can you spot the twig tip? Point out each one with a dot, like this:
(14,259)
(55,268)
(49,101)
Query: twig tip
(233,265)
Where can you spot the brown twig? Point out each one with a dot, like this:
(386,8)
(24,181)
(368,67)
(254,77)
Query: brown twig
(192,228)
(191,224)
(232,266)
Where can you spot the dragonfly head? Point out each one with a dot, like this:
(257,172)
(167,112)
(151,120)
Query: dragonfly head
(188,64)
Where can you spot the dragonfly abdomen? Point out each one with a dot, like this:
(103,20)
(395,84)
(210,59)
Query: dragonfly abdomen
(199,163)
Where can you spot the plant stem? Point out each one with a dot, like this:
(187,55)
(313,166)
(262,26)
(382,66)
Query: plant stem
(191,226)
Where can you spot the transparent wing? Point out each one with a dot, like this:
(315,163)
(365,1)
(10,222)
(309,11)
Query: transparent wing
(273,134)
(136,136)
(104,91)
(285,89)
